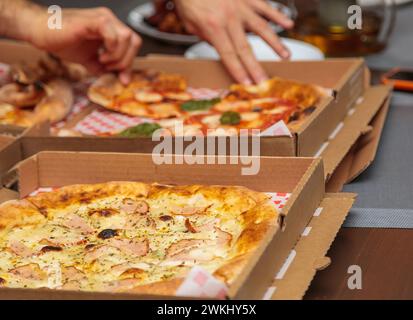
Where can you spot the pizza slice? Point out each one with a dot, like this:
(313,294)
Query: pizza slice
(37,93)
(149,94)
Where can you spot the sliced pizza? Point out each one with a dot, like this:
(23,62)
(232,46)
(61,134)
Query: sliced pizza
(150,94)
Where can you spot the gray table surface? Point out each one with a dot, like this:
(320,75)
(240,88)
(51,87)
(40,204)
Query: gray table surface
(386,188)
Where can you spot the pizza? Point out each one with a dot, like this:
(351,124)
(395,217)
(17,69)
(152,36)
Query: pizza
(36,93)
(165,98)
(130,236)
(150,94)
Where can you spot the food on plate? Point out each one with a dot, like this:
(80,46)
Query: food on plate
(166,18)
(166,99)
(40,92)
(130,236)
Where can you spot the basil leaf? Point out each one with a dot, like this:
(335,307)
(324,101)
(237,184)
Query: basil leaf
(143,130)
(230,118)
(197,105)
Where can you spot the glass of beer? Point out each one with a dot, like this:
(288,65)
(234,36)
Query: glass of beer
(343,28)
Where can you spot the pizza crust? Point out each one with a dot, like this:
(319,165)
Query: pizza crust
(57,103)
(16,213)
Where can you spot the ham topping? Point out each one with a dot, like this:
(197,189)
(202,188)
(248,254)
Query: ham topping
(30,271)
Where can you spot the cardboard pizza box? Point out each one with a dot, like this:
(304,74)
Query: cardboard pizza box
(370,112)
(303,178)
(5,140)
(348,81)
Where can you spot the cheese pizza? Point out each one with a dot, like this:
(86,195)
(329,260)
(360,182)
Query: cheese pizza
(130,236)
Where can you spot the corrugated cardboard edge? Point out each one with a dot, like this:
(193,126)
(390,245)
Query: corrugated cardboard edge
(298,212)
(10,156)
(354,126)
(5,140)
(361,154)
(7,194)
(311,250)
(352,86)
(12,153)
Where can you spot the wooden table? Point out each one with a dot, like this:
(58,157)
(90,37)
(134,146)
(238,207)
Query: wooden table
(384,255)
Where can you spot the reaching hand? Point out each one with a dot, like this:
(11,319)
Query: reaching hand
(224,23)
(92,37)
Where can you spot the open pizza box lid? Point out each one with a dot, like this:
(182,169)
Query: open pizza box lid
(363,152)
(302,177)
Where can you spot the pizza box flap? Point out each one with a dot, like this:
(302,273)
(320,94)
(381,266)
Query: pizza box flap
(12,152)
(362,153)
(352,128)
(7,194)
(10,156)
(5,140)
(11,130)
(54,169)
(309,255)
(41,129)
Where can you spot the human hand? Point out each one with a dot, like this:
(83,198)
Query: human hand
(94,38)
(223,23)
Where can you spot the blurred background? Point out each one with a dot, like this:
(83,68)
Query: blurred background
(386,38)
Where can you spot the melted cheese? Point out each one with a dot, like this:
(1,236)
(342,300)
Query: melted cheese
(101,268)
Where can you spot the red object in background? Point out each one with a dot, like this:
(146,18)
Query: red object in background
(400,79)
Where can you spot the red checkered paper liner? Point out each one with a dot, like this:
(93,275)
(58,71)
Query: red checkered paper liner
(101,122)
(200,283)
(104,122)
(276,130)
(279,199)
(42,190)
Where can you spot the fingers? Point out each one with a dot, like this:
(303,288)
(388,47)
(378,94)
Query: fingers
(125,63)
(223,44)
(261,28)
(245,53)
(121,44)
(266,10)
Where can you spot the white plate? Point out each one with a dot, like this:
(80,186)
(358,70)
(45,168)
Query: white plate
(299,50)
(136,20)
